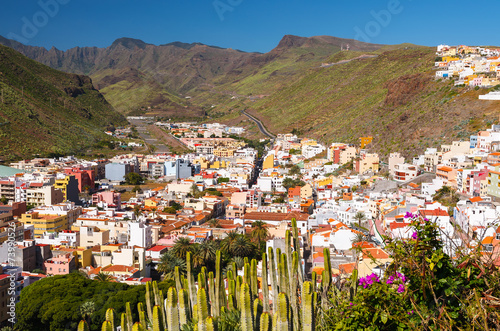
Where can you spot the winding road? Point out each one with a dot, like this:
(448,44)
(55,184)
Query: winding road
(259,125)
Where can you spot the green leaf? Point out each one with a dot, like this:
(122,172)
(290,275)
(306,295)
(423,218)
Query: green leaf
(383,318)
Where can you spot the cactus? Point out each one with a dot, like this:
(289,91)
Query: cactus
(138,327)
(123,322)
(231,302)
(293,290)
(314,280)
(110,317)
(257,311)
(148,302)
(195,314)
(190,278)
(239,282)
(246,274)
(210,324)
(246,321)
(142,319)
(296,247)
(184,313)
(83,326)
(307,307)
(178,280)
(265,322)
(128,312)
(231,292)
(283,322)
(202,307)
(254,282)
(172,311)
(283,274)
(157,320)
(265,283)
(211,292)
(354,284)
(106,326)
(275,319)
(219,287)
(274,280)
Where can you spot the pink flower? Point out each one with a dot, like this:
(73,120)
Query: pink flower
(408,215)
(401,288)
(414,235)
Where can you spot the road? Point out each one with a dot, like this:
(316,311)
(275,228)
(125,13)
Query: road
(142,130)
(259,125)
(364,56)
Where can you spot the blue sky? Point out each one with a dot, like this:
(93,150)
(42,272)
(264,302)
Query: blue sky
(250,25)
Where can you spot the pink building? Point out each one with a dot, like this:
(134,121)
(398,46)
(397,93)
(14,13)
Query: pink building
(60,265)
(235,211)
(111,198)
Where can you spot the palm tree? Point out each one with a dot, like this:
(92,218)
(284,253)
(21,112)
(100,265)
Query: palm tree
(181,246)
(242,246)
(360,237)
(214,223)
(228,242)
(360,216)
(103,277)
(86,310)
(259,232)
(168,262)
(204,253)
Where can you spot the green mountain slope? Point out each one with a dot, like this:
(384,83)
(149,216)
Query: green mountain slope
(43,110)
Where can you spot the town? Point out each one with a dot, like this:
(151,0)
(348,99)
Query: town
(117,218)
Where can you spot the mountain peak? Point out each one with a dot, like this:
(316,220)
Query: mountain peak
(129,43)
(289,41)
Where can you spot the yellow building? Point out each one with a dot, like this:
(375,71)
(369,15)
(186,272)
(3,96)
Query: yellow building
(219,164)
(202,162)
(324,182)
(83,256)
(45,223)
(69,188)
(268,162)
(365,141)
(224,152)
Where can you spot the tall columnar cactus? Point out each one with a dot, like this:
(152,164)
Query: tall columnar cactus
(172,310)
(231,293)
(246,274)
(231,302)
(283,274)
(128,312)
(293,290)
(307,307)
(149,306)
(219,287)
(178,280)
(274,279)
(157,319)
(239,281)
(138,327)
(254,282)
(354,284)
(184,309)
(142,319)
(326,279)
(314,279)
(296,246)
(190,278)
(202,307)
(106,326)
(265,322)
(288,246)
(159,301)
(246,321)
(283,320)
(83,326)
(110,317)
(257,311)
(210,324)
(211,292)
(123,323)
(265,283)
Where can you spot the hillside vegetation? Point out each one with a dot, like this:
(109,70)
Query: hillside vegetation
(45,111)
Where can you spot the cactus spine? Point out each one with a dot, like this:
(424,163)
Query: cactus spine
(257,311)
(138,327)
(172,311)
(210,324)
(142,319)
(83,326)
(148,301)
(246,321)
(178,280)
(123,322)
